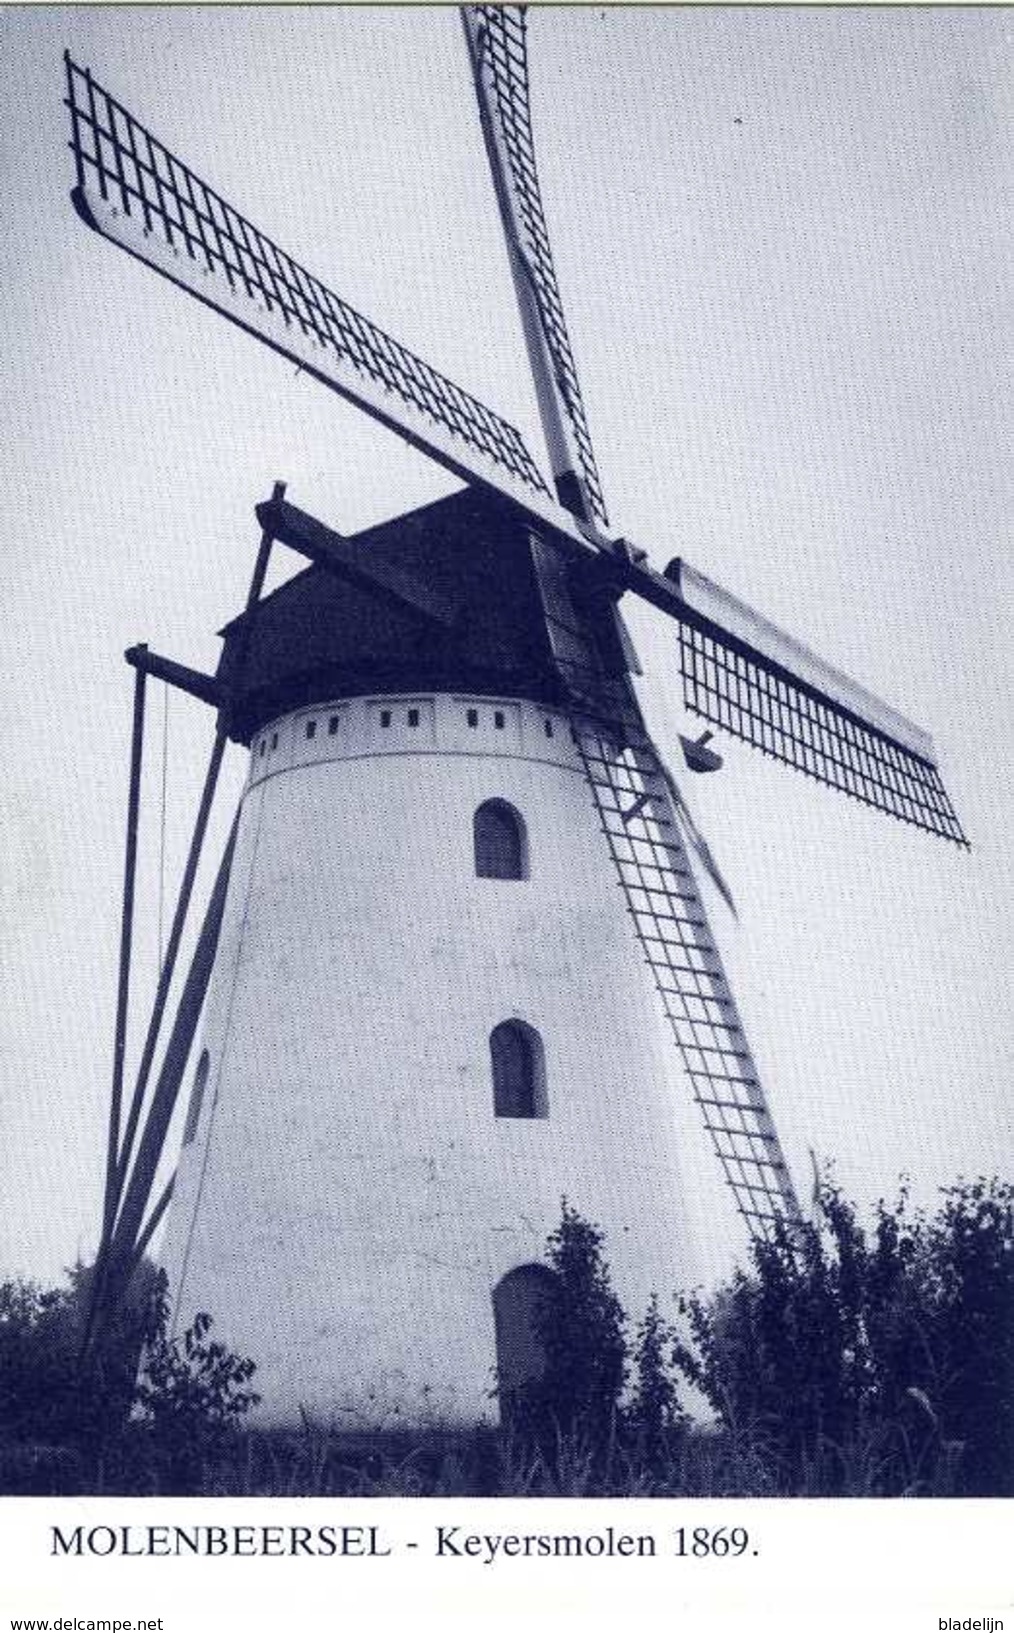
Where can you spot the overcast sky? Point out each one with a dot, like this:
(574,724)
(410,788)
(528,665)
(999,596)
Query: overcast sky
(783,239)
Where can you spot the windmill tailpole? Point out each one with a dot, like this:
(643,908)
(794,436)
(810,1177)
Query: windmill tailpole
(126,1245)
(126,938)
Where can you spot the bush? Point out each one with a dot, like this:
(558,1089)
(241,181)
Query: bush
(965,1330)
(38,1349)
(65,1421)
(190,1397)
(49,1395)
(858,1366)
(654,1414)
(582,1329)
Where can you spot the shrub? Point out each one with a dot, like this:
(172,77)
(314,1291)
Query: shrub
(967,1333)
(843,1361)
(859,1366)
(38,1347)
(582,1329)
(49,1395)
(190,1397)
(64,1419)
(654,1413)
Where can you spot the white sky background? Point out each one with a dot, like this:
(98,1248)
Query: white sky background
(783,242)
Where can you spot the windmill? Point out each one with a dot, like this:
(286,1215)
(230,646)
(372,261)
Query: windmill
(415,1033)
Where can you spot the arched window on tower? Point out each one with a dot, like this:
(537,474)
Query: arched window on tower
(501,844)
(196,1097)
(519,1071)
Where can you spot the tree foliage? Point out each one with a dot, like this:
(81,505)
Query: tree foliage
(191,1394)
(875,1363)
(654,1412)
(156,1409)
(581,1332)
(38,1343)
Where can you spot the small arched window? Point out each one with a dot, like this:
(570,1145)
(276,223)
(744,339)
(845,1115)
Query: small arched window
(501,844)
(519,1074)
(196,1097)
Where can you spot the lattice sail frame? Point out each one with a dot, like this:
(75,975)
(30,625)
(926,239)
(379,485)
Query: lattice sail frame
(132,189)
(501,37)
(640,824)
(771,709)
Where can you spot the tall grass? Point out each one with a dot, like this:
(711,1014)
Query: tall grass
(484,1462)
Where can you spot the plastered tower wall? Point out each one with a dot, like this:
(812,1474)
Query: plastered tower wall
(348,1199)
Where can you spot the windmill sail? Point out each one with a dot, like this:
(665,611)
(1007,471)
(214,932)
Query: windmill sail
(748,677)
(638,819)
(754,680)
(637,811)
(497,44)
(136,193)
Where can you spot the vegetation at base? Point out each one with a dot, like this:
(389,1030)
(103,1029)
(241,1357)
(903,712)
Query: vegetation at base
(144,1413)
(190,1397)
(841,1361)
(879,1363)
(581,1329)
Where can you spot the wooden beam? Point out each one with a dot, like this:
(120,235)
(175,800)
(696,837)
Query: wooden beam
(123,1247)
(153,1222)
(191,681)
(126,937)
(99,1299)
(356,562)
(169,964)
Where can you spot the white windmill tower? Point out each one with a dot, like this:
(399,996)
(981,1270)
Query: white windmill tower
(456,929)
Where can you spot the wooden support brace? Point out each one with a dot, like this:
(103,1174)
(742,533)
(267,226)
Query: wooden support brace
(126,937)
(128,1236)
(204,687)
(356,562)
(172,950)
